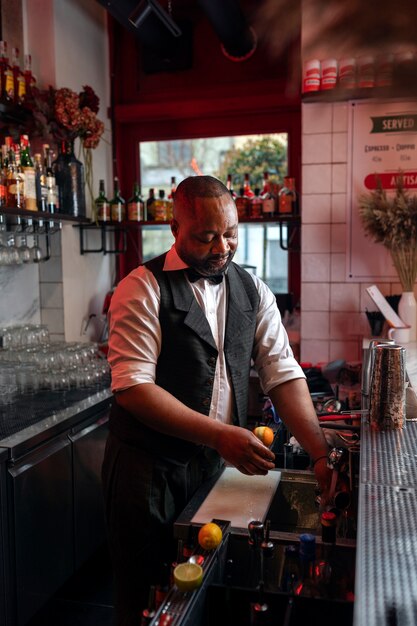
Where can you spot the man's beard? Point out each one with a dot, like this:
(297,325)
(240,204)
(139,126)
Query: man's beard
(210,267)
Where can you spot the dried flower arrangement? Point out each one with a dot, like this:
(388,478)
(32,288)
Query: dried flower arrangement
(392,221)
(63,115)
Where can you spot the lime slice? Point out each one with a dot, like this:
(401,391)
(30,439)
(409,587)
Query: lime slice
(188,576)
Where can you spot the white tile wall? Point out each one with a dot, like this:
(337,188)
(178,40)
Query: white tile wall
(315,267)
(333,318)
(317,179)
(315,297)
(316,238)
(316,208)
(338,207)
(317,148)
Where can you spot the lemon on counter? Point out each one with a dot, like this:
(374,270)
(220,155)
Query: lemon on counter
(210,536)
(265,434)
(188,576)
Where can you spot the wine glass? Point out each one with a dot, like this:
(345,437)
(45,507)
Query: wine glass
(24,251)
(13,257)
(35,250)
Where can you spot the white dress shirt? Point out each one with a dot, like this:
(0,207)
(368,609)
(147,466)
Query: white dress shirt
(135,334)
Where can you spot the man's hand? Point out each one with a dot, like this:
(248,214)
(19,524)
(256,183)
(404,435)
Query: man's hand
(241,448)
(324,477)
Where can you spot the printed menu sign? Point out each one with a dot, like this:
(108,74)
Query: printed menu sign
(382,145)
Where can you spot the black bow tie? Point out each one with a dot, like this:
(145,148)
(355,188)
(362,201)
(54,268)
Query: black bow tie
(193,275)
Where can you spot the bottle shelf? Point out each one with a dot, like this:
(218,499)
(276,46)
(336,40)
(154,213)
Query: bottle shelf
(42,215)
(121,229)
(339,94)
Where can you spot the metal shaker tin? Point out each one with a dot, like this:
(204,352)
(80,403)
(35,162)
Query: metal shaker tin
(387,389)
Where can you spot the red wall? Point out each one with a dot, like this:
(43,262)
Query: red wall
(214,97)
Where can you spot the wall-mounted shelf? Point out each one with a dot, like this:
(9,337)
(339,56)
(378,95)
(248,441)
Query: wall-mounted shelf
(121,228)
(42,215)
(339,94)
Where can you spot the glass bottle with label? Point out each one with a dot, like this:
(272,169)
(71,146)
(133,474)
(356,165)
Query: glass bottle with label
(242,205)
(28,169)
(14,183)
(19,85)
(102,205)
(53,200)
(256,205)
(7,94)
(117,204)
(288,198)
(160,207)
(229,185)
(135,205)
(268,198)
(149,204)
(247,190)
(30,80)
(40,183)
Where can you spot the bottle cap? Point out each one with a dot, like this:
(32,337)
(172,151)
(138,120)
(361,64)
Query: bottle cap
(307,546)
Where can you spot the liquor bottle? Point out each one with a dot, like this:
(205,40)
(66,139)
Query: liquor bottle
(8,80)
(288,198)
(101,205)
(307,585)
(14,183)
(54,193)
(242,205)
(170,199)
(256,205)
(162,588)
(19,85)
(229,185)
(324,569)
(3,66)
(28,169)
(3,197)
(247,191)
(160,207)
(268,198)
(117,204)
(135,205)
(173,188)
(30,80)
(40,182)
(149,613)
(149,204)
(291,570)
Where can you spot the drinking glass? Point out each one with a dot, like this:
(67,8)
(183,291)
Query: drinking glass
(24,251)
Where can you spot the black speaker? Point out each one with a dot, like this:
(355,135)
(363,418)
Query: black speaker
(174,56)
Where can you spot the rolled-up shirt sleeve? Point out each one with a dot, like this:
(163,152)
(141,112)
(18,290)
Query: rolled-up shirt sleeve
(134,330)
(272,355)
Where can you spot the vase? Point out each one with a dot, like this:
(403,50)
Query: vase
(407,310)
(69,174)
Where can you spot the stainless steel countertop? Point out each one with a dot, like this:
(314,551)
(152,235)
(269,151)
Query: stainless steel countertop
(386,561)
(68,411)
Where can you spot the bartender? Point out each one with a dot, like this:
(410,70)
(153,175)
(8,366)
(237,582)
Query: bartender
(184,329)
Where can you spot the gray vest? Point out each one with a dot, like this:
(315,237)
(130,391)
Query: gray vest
(187,362)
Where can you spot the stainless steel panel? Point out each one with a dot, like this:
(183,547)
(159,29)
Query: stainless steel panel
(89,519)
(4,547)
(386,590)
(41,503)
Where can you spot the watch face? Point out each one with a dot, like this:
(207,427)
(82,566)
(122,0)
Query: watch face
(332,406)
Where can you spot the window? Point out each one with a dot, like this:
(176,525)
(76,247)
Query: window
(259,243)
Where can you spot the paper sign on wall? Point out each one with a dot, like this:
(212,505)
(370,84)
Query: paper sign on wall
(382,143)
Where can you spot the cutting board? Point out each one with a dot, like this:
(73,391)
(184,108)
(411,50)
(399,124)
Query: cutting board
(238,498)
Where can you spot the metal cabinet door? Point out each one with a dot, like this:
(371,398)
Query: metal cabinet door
(89,521)
(41,502)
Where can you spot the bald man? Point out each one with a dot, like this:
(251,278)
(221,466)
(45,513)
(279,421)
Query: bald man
(184,328)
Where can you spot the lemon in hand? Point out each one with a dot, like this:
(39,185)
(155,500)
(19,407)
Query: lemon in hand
(210,536)
(188,576)
(265,434)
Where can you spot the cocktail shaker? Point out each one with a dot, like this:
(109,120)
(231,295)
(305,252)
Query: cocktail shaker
(387,388)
